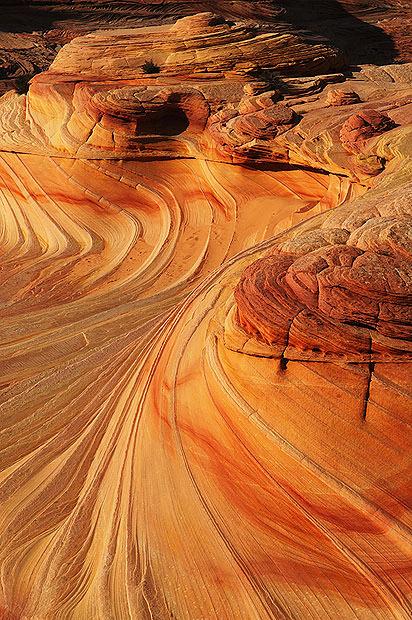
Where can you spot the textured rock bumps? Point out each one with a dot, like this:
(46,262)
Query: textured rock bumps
(338,97)
(338,291)
(256,121)
(362,126)
(344,288)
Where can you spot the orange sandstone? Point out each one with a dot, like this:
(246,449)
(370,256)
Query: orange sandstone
(206,329)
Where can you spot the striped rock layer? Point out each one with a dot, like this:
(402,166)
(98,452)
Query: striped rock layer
(205,352)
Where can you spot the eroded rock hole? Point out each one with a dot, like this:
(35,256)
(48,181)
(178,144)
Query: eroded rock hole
(166,122)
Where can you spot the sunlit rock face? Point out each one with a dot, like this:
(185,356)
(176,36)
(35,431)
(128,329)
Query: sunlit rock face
(101,103)
(206,316)
(361,127)
(340,97)
(343,289)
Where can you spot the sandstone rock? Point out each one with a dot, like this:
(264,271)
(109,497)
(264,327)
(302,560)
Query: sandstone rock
(255,88)
(206,320)
(339,97)
(350,282)
(361,126)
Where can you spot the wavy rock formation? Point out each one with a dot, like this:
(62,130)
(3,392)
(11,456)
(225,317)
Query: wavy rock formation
(32,31)
(92,113)
(21,57)
(343,288)
(206,320)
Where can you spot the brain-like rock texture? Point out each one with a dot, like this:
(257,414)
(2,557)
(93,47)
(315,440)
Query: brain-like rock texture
(361,126)
(205,302)
(330,291)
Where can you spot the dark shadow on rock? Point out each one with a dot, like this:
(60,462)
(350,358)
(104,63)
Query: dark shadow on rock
(20,16)
(278,167)
(166,122)
(360,41)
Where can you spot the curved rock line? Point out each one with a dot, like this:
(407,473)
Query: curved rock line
(204,288)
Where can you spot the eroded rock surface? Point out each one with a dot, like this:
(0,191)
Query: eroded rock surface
(206,313)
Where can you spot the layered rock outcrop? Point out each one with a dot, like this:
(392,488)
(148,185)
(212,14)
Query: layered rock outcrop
(359,128)
(206,332)
(91,113)
(343,289)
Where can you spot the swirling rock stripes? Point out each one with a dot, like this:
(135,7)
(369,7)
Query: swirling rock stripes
(86,235)
(251,503)
(72,247)
(116,411)
(205,399)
